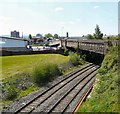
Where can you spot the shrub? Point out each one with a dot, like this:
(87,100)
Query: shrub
(109,43)
(75,58)
(12,92)
(89,36)
(84,57)
(66,51)
(45,74)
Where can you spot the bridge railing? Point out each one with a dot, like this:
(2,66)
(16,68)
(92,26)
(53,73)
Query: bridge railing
(98,46)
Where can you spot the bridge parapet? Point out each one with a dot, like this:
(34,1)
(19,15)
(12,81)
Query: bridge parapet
(98,46)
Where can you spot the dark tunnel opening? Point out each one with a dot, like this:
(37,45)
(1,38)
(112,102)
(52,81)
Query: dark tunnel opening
(91,57)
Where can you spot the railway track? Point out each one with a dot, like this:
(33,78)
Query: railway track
(60,97)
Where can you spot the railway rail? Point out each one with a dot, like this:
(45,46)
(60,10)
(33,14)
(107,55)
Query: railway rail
(60,96)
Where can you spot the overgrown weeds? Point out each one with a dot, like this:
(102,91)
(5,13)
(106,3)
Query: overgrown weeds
(45,74)
(11,93)
(105,95)
(75,59)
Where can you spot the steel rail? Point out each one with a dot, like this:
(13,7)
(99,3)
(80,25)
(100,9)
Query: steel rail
(82,99)
(36,105)
(70,91)
(68,75)
(93,77)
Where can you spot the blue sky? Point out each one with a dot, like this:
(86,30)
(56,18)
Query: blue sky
(77,18)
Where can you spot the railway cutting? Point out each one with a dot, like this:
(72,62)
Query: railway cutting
(65,95)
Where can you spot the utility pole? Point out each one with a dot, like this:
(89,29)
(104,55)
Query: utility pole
(22,34)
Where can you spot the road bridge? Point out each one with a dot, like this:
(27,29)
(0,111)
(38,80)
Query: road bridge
(97,46)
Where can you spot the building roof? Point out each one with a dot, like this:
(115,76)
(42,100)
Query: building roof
(73,37)
(13,38)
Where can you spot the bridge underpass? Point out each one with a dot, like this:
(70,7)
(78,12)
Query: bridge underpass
(90,56)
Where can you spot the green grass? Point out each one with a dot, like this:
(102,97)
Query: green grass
(12,65)
(26,73)
(0,67)
(28,90)
(21,68)
(104,96)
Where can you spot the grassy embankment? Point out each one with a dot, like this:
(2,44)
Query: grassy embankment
(104,96)
(23,74)
(12,65)
(17,70)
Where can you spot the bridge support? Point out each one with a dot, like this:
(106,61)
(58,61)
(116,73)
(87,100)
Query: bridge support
(65,43)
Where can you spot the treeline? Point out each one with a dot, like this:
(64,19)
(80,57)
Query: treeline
(48,35)
(99,35)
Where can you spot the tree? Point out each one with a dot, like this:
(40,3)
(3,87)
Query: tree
(30,36)
(89,36)
(98,34)
(119,36)
(39,35)
(48,35)
(56,36)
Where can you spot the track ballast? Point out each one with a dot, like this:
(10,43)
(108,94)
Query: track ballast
(65,94)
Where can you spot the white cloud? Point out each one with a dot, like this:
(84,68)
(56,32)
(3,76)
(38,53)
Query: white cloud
(71,22)
(95,7)
(62,23)
(3,18)
(59,9)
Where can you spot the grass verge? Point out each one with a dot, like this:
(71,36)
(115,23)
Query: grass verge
(27,73)
(12,65)
(105,94)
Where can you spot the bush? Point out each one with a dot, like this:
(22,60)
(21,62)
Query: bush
(89,36)
(12,92)
(75,58)
(45,74)
(83,57)
(66,51)
(109,43)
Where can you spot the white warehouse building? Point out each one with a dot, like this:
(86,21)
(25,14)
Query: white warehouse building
(13,44)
